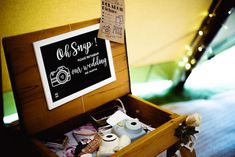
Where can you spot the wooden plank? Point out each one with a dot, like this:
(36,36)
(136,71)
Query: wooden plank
(79,25)
(54,31)
(149,113)
(141,101)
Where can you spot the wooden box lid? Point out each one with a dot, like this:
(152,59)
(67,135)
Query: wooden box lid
(28,89)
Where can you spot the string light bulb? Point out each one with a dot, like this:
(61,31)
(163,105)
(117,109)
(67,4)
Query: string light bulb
(230,11)
(193,61)
(185,59)
(211,15)
(200,48)
(200,32)
(187,66)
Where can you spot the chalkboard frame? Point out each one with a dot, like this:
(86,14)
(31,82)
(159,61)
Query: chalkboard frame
(42,70)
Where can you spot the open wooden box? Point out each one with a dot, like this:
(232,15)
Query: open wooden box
(37,121)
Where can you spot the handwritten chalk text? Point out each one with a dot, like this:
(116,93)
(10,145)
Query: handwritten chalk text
(73,49)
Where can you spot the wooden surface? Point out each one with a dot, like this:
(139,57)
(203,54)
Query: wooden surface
(148,112)
(27,86)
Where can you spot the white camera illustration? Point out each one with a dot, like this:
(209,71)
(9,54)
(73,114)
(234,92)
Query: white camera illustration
(60,76)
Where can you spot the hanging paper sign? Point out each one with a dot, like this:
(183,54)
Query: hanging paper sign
(112,23)
(73,64)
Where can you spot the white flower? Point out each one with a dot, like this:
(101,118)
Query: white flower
(194,120)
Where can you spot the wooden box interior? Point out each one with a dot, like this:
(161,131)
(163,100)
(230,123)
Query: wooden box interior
(162,138)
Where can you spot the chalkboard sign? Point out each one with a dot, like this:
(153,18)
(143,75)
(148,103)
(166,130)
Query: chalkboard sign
(73,64)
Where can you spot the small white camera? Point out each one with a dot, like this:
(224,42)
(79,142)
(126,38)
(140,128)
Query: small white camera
(108,145)
(130,127)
